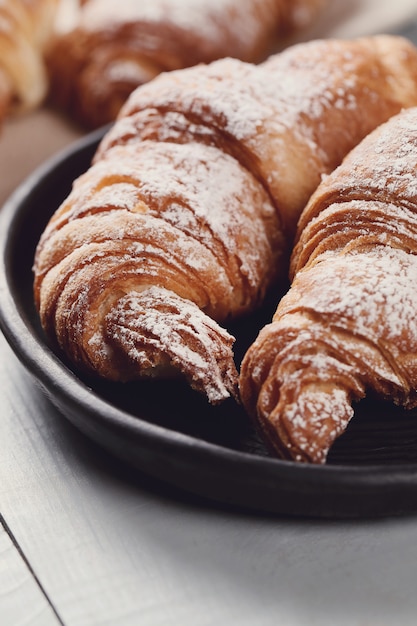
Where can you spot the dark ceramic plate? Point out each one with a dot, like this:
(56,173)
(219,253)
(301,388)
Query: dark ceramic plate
(166,430)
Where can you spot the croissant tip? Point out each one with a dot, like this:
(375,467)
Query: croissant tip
(158,331)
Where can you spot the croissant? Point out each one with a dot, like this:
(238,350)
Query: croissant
(25,29)
(347,325)
(116,46)
(185,219)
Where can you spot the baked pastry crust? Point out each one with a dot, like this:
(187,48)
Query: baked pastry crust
(347,326)
(194,193)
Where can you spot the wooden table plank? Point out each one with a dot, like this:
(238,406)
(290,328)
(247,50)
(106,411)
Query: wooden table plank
(108,549)
(22,601)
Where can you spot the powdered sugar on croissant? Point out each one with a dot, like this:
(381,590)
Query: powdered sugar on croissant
(194,193)
(347,326)
(184,218)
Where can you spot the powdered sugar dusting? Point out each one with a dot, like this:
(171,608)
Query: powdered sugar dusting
(198,221)
(315,420)
(348,322)
(223,27)
(159,331)
(204,196)
(212,93)
(207,17)
(307,91)
(360,306)
(387,312)
(392,168)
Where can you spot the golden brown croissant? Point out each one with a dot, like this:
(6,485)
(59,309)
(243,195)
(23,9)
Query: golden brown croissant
(25,28)
(348,324)
(186,217)
(116,46)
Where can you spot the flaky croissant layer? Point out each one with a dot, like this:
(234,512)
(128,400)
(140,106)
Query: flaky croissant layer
(195,193)
(347,326)
(183,219)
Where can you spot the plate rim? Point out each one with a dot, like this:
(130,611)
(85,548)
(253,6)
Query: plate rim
(61,385)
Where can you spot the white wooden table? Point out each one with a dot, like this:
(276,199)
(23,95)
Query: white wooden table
(82,543)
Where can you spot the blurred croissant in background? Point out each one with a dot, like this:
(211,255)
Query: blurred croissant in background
(26,27)
(116,45)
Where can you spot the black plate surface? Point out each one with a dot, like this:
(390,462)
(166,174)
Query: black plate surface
(167,431)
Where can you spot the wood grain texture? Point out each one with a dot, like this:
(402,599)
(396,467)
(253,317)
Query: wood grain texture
(17,583)
(111,548)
